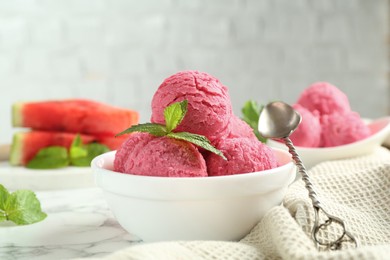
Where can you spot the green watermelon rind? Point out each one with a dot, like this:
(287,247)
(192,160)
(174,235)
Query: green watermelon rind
(16,153)
(17,115)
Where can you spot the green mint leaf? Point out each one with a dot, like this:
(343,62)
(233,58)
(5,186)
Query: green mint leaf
(198,140)
(151,128)
(21,207)
(251,113)
(4,194)
(82,156)
(77,142)
(77,149)
(174,114)
(50,158)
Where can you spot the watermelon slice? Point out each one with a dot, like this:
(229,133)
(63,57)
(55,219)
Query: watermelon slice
(74,116)
(25,145)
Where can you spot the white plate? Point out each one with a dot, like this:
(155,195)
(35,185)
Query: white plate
(15,178)
(380,129)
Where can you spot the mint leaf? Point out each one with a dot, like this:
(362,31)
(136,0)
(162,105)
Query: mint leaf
(50,158)
(151,128)
(4,194)
(76,149)
(21,207)
(82,156)
(251,113)
(77,142)
(174,114)
(198,140)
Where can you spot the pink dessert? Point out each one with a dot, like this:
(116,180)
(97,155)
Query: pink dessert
(239,128)
(308,133)
(324,98)
(133,145)
(340,129)
(243,155)
(209,107)
(147,155)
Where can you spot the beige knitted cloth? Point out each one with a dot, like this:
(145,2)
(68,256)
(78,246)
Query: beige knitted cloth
(356,190)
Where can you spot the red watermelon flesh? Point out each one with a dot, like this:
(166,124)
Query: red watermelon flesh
(73,115)
(26,145)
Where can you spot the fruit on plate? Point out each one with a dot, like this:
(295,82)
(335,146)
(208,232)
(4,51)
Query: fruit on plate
(59,122)
(74,116)
(25,145)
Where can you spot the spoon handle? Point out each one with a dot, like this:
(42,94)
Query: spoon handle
(302,170)
(329,219)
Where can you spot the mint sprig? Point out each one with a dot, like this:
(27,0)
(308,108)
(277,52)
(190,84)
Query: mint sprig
(82,155)
(21,207)
(49,158)
(174,115)
(251,113)
(151,128)
(79,154)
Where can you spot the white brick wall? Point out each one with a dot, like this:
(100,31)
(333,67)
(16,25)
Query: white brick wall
(120,51)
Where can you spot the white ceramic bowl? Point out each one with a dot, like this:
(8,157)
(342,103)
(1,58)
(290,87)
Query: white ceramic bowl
(200,208)
(380,129)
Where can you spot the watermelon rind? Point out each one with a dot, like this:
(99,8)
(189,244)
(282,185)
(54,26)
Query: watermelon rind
(17,115)
(16,153)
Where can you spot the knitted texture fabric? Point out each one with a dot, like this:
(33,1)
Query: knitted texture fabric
(357,190)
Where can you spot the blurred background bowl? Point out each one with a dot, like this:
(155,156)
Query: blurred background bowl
(204,208)
(380,129)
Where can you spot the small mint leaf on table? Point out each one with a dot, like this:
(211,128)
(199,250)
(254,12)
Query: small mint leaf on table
(151,128)
(174,114)
(198,140)
(50,158)
(251,113)
(21,207)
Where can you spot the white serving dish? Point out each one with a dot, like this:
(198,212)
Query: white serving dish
(380,129)
(199,208)
(19,177)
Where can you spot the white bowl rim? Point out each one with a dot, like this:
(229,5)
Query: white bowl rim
(94,165)
(191,188)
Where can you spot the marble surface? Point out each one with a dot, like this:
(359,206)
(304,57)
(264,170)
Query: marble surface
(79,225)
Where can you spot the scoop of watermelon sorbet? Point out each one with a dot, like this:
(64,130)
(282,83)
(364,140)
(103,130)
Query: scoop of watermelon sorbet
(340,129)
(308,133)
(239,128)
(133,145)
(324,98)
(147,155)
(243,155)
(209,106)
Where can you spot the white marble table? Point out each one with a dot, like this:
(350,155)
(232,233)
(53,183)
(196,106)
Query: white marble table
(79,224)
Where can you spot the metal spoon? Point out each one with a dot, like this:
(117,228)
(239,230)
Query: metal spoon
(279,120)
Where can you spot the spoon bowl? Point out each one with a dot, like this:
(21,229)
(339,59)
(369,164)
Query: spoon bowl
(278,120)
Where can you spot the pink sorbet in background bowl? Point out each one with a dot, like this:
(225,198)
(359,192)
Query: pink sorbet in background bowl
(379,131)
(330,129)
(192,208)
